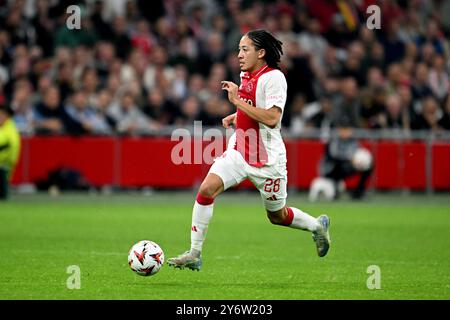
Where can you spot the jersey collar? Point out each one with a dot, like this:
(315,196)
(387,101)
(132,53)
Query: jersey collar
(256,73)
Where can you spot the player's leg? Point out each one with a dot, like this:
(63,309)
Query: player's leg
(202,213)
(295,218)
(273,191)
(223,174)
(3,183)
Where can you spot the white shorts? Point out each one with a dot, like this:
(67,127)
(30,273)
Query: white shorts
(271,181)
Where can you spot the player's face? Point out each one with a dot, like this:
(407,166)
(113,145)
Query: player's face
(250,59)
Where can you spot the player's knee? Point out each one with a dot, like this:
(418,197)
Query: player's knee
(207,190)
(276,217)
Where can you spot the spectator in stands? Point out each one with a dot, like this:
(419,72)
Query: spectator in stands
(394,47)
(395,116)
(89,120)
(98,22)
(115,88)
(427,52)
(284,31)
(432,36)
(428,119)
(347,104)
(185,54)
(82,59)
(44,82)
(353,68)
(322,119)
(90,84)
(375,57)
(64,80)
(47,117)
(298,119)
(179,84)
(301,72)
(158,71)
(338,34)
(21,69)
(105,59)
(394,77)
(420,87)
(410,115)
(410,29)
(373,97)
(50,117)
(313,43)
(130,120)
(15,24)
(215,109)
(189,112)
(212,51)
(438,78)
(159,108)
(101,105)
(44,27)
(197,87)
(332,66)
(142,38)
(444,122)
(22,106)
(119,37)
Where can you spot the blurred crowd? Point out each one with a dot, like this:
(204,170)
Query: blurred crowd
(137,66)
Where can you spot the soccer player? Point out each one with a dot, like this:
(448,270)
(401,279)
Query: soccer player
(9,148)
(255,150)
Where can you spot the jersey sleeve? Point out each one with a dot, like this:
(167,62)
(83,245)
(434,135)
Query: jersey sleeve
(275,90)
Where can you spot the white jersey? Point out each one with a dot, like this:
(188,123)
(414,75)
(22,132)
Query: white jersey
(259,144)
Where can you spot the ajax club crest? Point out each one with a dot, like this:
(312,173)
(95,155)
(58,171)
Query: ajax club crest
(249,87)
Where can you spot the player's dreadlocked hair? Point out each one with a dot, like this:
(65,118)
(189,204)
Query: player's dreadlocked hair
(265,40)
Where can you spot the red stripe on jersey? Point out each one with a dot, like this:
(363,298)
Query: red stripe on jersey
(248,137)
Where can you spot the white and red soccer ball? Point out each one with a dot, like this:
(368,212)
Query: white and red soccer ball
(362,159)
(146,258)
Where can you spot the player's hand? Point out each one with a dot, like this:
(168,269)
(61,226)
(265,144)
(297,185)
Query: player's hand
(229,120)
(232,90)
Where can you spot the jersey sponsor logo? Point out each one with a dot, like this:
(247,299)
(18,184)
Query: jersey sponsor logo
(249,101)
(272,198)
(275,97)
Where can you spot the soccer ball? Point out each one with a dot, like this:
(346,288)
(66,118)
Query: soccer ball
(145,258)
(325,187)
(362,159)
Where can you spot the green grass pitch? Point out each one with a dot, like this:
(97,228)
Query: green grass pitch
(245,257)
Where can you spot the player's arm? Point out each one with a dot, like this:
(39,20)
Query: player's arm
(269,117)
(229,120)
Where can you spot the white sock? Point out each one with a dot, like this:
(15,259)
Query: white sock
(301,220)
(201,215)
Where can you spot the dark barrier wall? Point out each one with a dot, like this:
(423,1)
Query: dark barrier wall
(129,162)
